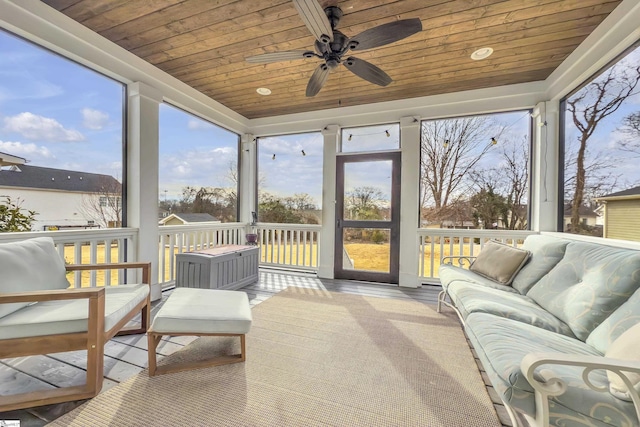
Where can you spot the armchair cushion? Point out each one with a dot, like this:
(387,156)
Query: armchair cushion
(499,262)
(30,265)
(626,347)
(70,316)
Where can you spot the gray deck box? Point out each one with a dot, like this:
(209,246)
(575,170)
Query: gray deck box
(222,267)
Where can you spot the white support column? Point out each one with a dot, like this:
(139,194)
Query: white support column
(410,201)
(331,135)
(546,149)
(142,174)
(248,167)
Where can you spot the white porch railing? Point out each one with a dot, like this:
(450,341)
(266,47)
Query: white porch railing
(435,243)
(176,239)
(88,247)
(291,246)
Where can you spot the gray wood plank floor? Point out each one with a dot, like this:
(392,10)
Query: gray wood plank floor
(126,356)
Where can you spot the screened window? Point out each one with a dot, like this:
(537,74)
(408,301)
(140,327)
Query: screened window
(474,171)
(601,150)
(290,178)
(198,167)
(61,139)
(371,138)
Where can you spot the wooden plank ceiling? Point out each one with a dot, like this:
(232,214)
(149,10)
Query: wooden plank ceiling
(204,43)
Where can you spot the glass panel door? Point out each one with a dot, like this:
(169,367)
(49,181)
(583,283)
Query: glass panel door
(368,217)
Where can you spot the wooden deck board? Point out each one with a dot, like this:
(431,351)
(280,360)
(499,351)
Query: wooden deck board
(125,356)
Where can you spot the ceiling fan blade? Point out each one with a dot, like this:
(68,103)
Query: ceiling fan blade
(315,19)
(288,55)
(317,80)
(385,34)
(368,71)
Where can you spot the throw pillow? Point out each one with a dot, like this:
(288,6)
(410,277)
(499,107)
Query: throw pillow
(499,262)
(625,347)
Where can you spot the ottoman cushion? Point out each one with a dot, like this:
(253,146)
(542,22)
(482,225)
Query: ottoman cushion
(204,311)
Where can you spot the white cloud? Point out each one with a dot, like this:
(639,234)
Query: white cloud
(29,151)
(94,119)
(26,87)
(35,127)
(198,167)
(197,124)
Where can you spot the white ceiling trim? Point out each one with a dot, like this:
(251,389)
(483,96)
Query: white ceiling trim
(501,98)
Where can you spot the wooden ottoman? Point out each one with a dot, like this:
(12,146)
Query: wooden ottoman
(200,312)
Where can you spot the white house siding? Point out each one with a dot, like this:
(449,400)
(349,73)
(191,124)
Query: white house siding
(622,219)
(61,208)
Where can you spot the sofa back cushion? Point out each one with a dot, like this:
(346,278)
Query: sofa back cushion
(626,316)
(546,252)
(588,284)
(30,265)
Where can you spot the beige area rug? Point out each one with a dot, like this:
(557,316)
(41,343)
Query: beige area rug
(314,358)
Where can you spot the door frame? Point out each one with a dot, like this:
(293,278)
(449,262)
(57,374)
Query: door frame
(393,225)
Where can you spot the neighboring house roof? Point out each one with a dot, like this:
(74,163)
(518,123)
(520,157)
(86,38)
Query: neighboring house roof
(188,218)
(8,160)
(26,176)
(584,211)
(630,193)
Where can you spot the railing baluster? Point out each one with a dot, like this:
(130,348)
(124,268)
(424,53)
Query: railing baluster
(93,259)
(304,248)
(107,260)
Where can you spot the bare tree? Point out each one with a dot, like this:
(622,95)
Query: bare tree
(510,180)
(104,205)
(631,129)
(601,174)
(451,149)
(364,203)
(588,107)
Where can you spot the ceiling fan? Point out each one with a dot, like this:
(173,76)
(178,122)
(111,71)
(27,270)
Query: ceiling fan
(331,45)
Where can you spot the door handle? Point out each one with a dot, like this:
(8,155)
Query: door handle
(338,224)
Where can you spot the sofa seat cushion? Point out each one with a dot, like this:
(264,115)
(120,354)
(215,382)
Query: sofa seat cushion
(471,298)
(30,265)
(546,252)
(502,343)
(588,284)
(449,273)
(69,316)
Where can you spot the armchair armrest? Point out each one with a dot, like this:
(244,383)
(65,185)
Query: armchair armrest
(145,266)
(548,384)
(462,259)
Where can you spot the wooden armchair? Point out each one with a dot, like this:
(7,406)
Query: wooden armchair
(26,331)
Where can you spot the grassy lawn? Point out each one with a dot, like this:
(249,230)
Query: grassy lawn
(69,258)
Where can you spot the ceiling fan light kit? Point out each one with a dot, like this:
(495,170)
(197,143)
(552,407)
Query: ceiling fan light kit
(331,45)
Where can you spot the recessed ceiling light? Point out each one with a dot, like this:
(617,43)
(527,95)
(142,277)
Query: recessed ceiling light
(263,91)
(482,53)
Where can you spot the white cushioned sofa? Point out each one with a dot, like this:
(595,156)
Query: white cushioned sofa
(549,341)
(41,314)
